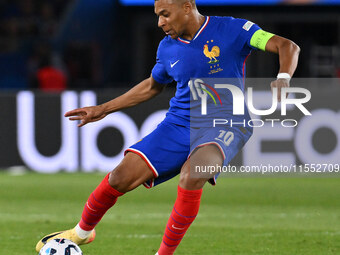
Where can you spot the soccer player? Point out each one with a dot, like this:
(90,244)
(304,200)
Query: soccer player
(194,46)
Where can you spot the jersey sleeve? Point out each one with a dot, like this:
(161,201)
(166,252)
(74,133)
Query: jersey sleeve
(159,72)
(244,29)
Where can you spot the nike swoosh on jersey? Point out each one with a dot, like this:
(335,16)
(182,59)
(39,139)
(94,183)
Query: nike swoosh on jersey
(177,228)
(44,240)
(173,64)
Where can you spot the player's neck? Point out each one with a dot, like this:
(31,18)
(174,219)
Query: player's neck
(195,24)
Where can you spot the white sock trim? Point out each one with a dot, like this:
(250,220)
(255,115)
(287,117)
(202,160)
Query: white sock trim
(82,233)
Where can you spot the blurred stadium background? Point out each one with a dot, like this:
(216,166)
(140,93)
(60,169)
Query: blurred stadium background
(57,55)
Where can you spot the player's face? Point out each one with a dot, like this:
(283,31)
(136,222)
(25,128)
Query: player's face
(172,17)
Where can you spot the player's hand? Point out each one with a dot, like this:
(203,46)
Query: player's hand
(279,83)
(86,114)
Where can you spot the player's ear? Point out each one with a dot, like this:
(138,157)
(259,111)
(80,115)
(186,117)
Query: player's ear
(187,7)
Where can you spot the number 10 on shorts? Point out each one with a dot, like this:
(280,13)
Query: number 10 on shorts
(225,137)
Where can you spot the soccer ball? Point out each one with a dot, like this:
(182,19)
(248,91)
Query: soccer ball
(60,246)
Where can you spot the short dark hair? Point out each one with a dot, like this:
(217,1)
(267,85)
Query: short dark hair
(192,1)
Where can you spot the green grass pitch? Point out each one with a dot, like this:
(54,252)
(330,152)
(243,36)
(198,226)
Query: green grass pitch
(241,215)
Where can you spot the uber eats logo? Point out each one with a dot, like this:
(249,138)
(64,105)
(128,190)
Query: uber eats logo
(78,148)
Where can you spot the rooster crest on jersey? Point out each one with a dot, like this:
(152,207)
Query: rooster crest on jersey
(211,54)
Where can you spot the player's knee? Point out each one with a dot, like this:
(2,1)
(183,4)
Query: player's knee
(202,158)
(187,180)
(118,181)
(191,183)
(121,180)
(129,174)
(207,156)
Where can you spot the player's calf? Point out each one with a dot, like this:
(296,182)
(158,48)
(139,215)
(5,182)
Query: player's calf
(188,199)
(183,214)
(128,175)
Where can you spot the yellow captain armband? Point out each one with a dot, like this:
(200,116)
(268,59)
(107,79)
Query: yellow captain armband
(260,39)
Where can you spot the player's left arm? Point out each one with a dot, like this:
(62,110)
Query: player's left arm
(288,53)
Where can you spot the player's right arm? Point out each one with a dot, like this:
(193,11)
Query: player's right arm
(142,92)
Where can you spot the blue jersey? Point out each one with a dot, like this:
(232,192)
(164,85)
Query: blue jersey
(218,50)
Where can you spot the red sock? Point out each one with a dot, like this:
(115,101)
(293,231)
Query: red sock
(101,199)
(183,214)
